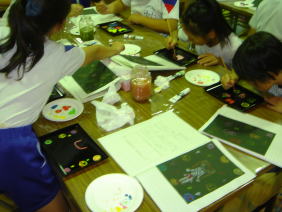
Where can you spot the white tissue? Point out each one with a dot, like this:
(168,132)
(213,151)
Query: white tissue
(110,118)
(162,82)
(111,97)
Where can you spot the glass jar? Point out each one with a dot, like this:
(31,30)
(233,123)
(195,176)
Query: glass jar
(141,83)
(86,28)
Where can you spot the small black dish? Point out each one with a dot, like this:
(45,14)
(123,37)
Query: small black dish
(237,97)
(115,28)
(71,149)
(183,57)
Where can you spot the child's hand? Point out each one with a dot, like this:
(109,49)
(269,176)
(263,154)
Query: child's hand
(171,42)
(76,10)
(275,103)
(118,46)
(102,8)
(228,80)
(208,60)
(135,18)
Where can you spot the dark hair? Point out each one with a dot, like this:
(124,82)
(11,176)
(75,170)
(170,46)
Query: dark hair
(203,16)
(29,22)
(259,56)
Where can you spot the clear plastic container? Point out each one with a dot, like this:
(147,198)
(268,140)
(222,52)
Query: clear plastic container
(141,83)
(86,28)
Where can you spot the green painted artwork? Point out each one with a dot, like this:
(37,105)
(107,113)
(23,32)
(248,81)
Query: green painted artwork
(93,76)
(199,172)
(241,134)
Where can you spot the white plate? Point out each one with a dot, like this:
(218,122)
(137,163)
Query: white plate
(243,4)
(114,192)
(131,49)
(202,77)
(64,109)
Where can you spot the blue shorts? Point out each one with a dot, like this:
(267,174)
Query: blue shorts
(24,174)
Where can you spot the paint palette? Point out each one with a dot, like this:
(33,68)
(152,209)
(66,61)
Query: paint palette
(181,58)
(115,28)
(237,97)
(114,192)
(202,77)
(71,149)
(63,109)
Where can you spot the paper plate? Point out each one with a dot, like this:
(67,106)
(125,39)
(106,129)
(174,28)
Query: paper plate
(202,77)
(131,49)
(64,109)
(243,4)
(114,192)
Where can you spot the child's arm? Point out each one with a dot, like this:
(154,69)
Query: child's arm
(160,25)
(115,7)
(99,52)
(275,103)
(76,10)
(208,60)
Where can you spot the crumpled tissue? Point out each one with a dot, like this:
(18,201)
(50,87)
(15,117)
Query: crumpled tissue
(111,97)
(162,83)
(110,118)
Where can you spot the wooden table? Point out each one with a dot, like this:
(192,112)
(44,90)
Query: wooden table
(195,109)
(229,5)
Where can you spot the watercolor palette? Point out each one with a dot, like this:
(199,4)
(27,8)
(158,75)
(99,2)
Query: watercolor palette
(63,109)
(115,28)
(114,192)
(71,149)
(182,57)
(237,97)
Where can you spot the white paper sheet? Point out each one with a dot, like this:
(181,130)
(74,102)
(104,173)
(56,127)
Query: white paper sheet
(140,148)
(168,199)
(273,154)
(151,142)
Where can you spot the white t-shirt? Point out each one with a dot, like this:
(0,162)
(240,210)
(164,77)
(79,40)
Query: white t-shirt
(226,52)
(22,100)
(268,17)
(152,8)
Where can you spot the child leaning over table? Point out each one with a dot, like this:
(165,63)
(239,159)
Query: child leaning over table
(152,14)
(30,66)
(204,26)
(259,61)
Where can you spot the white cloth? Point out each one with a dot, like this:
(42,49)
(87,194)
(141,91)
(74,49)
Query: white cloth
(268,17)
(152,8)
(226,52)
(22,100)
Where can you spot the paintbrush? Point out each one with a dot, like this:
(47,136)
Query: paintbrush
(170,33)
